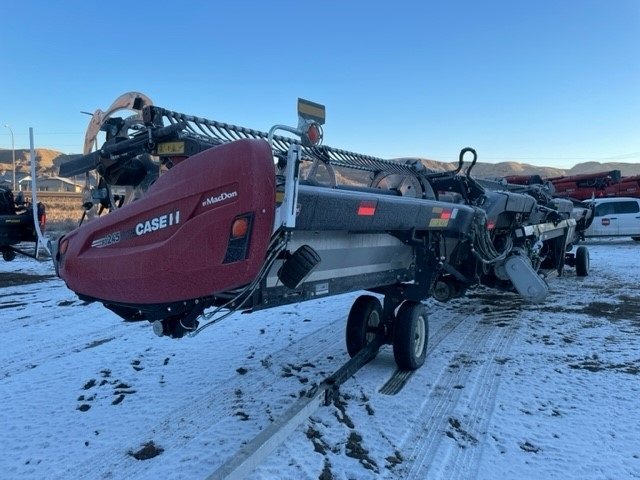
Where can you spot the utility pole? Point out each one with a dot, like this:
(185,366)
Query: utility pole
(13,156)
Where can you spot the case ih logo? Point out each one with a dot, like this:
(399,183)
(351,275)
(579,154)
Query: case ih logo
(158,223)
(223,196)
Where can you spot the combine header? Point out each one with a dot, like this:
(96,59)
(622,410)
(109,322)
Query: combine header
(208,215)
(586,186)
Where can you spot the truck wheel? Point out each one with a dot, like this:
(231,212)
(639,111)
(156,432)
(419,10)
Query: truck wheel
(363,323)
(410,335)
(582,261)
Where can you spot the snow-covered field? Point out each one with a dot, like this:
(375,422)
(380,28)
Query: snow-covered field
(509,390)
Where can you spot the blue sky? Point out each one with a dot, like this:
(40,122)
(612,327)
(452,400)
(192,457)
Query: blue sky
(544,82)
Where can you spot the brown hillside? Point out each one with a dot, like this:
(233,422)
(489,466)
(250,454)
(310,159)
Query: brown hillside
(50,160)
(627,169)
(44,158)
(501,169)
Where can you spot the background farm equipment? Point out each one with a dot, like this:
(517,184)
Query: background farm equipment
(586,186)
(17,224)
(532,234)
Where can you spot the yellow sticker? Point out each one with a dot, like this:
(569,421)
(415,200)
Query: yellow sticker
(438,222)
(170,148)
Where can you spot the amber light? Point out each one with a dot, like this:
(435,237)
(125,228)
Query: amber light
(240,227)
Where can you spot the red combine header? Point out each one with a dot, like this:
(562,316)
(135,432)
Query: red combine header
(597,185)
(205,215)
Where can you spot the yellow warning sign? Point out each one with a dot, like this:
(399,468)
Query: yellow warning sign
(438,222)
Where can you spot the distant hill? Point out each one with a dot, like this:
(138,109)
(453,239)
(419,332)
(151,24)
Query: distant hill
(497,169)
(514,168)
(50,160)
(627,169)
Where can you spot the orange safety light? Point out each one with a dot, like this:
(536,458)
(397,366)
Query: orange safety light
(240,227)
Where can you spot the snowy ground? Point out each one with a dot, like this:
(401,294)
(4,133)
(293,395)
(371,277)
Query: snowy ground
(509,390)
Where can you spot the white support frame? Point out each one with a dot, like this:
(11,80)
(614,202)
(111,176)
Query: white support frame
(286,212)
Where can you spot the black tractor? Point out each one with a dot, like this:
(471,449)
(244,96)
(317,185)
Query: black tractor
(17,224)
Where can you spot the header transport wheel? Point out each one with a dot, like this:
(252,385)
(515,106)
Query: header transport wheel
(8,255)
(582,261)
(364,323)
(410,335)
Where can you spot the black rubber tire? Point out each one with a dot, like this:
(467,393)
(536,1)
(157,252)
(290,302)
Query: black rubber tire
(411,335)
(363,323)
(298,266)
(8,255)
(443,290)
(637,239)
(582,261)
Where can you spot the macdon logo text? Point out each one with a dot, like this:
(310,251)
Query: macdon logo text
(223,196)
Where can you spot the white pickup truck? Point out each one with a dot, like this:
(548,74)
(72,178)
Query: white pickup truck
(616,217)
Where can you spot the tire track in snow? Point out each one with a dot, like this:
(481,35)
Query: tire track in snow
(400,377)
(464,460)
(422,446)
(29,349)
(219,407)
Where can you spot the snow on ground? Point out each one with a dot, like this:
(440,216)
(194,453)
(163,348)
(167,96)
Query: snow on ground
(509,390)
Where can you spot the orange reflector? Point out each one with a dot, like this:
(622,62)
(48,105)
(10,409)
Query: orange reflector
(64,245)
(240,227)
(367,208)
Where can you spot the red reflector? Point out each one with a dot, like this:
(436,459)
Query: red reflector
(313,133)
(367,209)
(446,214)
(491,225)
(606,221)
